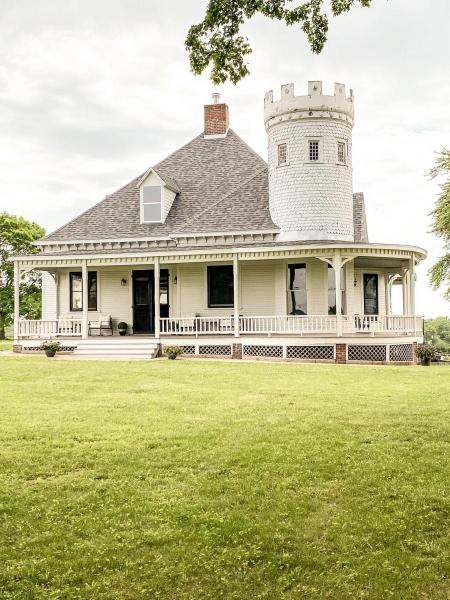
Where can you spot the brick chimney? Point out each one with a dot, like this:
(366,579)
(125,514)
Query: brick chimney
(216,118)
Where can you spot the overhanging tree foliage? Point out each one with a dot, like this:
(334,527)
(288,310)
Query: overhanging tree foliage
(16,238)
(440,272)
(216,39)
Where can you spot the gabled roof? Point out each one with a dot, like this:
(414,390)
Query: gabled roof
(206,172)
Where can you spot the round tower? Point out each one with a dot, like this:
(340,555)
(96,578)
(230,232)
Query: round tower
(310,163)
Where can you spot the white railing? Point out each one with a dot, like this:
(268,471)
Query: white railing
(289,324)
(48,328)
(197,325)
(389,324)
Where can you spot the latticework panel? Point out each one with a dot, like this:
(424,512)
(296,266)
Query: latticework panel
(37,349)
(373,353)
(188,349)
(401,353)
(268,351)
(215,350)
(311,352)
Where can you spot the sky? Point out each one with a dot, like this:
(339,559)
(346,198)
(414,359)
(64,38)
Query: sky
(93,92)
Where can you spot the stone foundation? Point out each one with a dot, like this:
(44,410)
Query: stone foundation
(236,351)
(17,348)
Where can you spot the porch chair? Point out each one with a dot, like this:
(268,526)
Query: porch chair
(104,323)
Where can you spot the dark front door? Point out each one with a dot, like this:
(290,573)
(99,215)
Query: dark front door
(143,302)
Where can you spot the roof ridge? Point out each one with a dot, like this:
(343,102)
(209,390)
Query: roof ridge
(248,147)
(229,193)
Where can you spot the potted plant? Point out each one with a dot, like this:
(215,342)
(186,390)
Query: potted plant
(50,348)
(173,351)
(426,353)
(122,328)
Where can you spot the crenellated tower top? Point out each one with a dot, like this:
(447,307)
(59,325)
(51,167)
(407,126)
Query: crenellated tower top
(314,105)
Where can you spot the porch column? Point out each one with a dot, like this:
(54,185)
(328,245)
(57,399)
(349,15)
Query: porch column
(405,292)
(236,294)
(16,300)
(337,265)
(412,286)
(387,295)
(84,287)
(156,292)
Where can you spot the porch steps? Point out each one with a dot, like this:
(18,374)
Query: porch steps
(123,347)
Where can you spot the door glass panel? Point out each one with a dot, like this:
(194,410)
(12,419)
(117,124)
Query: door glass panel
(370,294)
(141,292)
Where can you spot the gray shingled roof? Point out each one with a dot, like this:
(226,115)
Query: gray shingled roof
(222,186)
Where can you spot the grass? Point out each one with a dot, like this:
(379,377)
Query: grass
(193,480)
(6,345)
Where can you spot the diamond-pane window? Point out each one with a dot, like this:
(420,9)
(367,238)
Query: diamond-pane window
(282,154)
(313,150)
(342,154)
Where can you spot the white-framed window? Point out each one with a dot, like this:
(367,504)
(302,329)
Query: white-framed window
(313,150)
(282,154)
(342,153)
(151,209)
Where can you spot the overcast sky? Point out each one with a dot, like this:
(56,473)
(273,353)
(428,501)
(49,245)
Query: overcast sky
(93,92)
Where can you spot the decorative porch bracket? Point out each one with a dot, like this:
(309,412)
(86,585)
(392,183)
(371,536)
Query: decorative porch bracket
(337,261)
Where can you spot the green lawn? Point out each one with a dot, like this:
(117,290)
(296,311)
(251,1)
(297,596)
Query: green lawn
(183,480)
(6,345)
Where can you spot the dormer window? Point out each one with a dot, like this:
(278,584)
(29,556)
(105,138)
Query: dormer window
(151,204)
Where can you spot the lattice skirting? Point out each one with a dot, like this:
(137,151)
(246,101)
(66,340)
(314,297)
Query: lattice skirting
(188,350)
(263,351)
(310,352)
(214,350)
(37,349)
(401,353)
(372,353)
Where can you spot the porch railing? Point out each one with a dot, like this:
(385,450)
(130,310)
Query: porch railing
(41,328)
(265,325)
(288,324)
(196,325)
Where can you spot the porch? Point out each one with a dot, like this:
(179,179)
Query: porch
(301,292)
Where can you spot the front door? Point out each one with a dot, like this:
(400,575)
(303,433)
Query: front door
(143,302)
(370,283)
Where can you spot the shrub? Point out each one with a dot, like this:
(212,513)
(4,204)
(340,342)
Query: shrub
(426,353)
(173,351)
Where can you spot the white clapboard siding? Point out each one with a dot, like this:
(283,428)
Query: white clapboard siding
(258,284)
(49,295)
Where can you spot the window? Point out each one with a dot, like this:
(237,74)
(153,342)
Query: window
(370,293)
(151,204)
(297,302)
(313,150)
(342,153)
(76,291)
(282,154)
(220,286)
(332,291)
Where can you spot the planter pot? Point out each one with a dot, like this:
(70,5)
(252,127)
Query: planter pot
(425,362)
(122,332)
(50,353)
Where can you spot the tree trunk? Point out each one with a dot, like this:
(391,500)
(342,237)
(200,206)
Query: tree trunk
(2,331)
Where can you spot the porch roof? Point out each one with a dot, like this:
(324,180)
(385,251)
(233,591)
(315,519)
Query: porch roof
(268,251)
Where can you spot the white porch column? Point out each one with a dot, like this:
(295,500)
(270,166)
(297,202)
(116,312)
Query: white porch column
(85,315)
(412,286)
(156,292)
(387,295)
(16,300)
(337,265)
(236,294)
(405,292)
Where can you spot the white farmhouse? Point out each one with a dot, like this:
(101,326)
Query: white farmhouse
(222,254)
